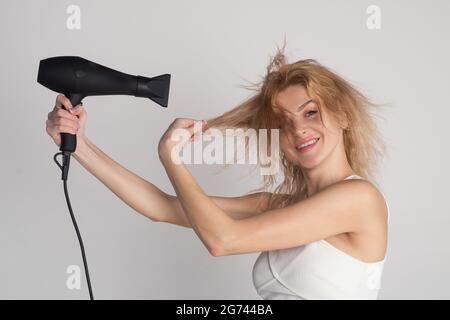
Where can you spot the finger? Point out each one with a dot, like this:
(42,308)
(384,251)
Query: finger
(66,122)
(197,129)
(62,101)
(183,122)
(77,109)
(61,113)
(57,129)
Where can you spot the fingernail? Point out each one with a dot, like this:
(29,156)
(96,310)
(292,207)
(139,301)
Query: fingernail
(71,110)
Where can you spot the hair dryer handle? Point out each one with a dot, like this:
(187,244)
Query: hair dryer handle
(68,140)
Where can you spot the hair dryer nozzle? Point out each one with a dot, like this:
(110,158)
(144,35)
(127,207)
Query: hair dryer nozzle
(156,88)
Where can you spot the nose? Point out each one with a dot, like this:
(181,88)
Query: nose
(299,128)
(296,126)
(299,133)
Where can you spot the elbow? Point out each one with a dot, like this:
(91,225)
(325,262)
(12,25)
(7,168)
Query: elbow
(222,243)
(152,217)
(220,247)
(215,251)
(155,219)
(219,251)
(215,248)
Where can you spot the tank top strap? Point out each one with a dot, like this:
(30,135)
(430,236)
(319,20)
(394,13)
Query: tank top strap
(354,176)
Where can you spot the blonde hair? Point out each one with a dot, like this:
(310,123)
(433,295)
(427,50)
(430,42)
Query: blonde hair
(363,143)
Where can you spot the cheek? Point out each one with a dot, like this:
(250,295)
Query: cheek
(287,148)
(284,142)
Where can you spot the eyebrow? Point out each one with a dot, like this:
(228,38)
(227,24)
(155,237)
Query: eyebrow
(304,104)
(299,108)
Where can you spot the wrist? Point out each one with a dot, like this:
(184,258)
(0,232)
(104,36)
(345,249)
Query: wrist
(164,156)
(164,151)
(82,145)
(169,157)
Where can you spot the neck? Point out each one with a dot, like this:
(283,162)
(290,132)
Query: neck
(333,169)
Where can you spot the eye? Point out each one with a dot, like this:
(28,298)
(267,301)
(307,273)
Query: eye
(311,113)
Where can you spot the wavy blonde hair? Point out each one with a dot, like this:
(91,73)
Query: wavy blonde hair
(364,146)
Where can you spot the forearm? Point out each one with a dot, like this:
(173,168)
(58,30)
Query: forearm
(139,194)
(212,224)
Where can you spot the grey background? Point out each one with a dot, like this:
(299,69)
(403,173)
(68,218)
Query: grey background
(209,47)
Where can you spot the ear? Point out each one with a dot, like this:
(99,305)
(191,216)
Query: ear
(344,123)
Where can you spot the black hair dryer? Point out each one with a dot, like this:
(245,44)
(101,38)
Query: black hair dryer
(77,78)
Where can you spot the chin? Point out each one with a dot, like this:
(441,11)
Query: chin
(296,160)
(302,162)
(308,165)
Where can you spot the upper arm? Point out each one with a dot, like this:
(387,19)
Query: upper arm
(236,207)
(244,206)
(346,206)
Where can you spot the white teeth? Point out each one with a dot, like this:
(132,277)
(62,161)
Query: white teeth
(307,143)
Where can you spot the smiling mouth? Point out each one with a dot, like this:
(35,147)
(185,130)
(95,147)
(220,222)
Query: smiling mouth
(310,143)
(307,147)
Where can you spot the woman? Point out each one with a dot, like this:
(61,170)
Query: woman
(322,232)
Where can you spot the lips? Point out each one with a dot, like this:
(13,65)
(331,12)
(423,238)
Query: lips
(309,144)
(308,147)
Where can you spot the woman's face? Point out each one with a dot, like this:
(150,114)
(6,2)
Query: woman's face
(301,123)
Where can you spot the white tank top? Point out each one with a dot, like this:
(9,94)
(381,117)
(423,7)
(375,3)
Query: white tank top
(317,270)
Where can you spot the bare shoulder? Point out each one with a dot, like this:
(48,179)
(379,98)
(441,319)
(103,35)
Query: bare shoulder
(372,205)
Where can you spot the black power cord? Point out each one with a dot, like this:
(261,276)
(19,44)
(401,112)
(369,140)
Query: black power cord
(65,169)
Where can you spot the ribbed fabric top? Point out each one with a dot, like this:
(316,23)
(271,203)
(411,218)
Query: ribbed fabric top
(317,270)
